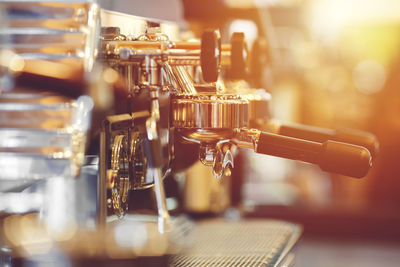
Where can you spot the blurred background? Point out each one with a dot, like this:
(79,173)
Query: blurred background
(328,63)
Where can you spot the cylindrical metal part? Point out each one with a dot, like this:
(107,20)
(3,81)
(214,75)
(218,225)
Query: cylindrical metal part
(179,75)
(217,111)
(102,183)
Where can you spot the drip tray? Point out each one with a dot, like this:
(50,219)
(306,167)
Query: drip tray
(258,242)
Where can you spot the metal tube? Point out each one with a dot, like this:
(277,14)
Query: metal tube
(163,214)
(101,185)
(179,75)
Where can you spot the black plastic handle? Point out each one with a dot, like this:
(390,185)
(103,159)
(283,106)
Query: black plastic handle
(238,68)
(320,135)
(331,156)
(210,55)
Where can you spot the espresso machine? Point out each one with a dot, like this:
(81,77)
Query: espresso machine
(134,104)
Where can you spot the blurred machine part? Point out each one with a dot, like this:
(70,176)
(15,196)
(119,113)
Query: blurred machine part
(44,131)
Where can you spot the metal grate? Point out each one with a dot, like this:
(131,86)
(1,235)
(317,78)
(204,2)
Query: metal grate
(242,243)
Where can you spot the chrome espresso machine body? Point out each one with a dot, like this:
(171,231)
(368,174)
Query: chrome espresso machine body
(172,107)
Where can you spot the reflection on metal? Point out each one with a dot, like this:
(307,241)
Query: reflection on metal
(180,76)
(210,111)
(210,120)
(164,222)
(134,26)
(42,136)
(223,161)
(120,175)
(52,31)
(218,156)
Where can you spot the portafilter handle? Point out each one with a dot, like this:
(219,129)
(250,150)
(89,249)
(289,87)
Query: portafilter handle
(320,135)
(330,156)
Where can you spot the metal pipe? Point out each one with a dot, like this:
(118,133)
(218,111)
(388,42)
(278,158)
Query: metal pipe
(102,183)
(163,214)
(180,76)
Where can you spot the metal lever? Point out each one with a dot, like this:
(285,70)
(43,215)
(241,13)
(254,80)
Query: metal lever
(330,156)
(154,157)
(320,135)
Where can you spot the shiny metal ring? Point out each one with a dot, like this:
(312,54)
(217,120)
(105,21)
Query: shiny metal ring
(210,111)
